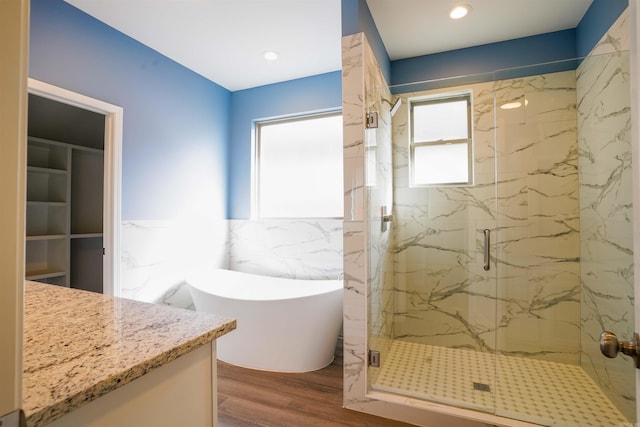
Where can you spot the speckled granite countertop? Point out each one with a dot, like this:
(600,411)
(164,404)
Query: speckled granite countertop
(79,345)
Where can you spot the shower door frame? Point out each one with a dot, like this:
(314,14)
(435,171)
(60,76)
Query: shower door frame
(634,6)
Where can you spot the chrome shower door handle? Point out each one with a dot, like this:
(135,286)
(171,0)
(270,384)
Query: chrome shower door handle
(385,218)
(487,249)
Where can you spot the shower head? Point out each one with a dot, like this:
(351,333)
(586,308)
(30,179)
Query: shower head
(395,106)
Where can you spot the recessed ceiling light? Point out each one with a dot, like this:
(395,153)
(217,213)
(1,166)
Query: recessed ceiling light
(271,55)
(459,11)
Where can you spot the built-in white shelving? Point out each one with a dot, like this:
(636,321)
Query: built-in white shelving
(64,212)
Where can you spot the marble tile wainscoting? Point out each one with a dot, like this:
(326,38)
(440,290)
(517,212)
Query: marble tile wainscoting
(157,255)
(292,248)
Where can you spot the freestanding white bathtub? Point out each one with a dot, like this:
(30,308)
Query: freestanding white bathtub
(284,325)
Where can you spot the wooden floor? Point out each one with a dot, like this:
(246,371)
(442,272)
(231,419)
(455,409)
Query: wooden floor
(247,397)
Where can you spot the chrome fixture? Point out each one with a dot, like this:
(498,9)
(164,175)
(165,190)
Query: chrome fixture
(385,217)
(374,358)
(487,249)
(372,120)
(394,105)
(610,346)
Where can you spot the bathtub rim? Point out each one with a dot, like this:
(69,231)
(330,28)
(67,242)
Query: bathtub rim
(205,281)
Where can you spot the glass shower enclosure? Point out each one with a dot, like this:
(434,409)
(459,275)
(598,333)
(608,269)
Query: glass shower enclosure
(492,295)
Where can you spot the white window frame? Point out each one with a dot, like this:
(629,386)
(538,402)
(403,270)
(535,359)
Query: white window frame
(440,99)
(255,170)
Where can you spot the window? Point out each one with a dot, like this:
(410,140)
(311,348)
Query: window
(299,168)
(441,142)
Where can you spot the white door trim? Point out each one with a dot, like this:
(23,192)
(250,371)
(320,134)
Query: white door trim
(14,56)
(112,172)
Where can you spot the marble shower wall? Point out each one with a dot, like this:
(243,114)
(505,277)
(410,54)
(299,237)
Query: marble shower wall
(604,128)
(355,300)
(297,249)
(367,289)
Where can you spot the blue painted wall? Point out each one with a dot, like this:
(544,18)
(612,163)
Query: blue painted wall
(356,18)
(543,53)
(479,63)
(307,95)
(175,121)
(595,23)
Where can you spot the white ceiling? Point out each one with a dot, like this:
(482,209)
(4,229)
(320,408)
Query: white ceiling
(419,27)
(224,40)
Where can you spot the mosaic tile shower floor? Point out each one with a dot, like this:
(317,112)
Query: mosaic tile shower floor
(540,392)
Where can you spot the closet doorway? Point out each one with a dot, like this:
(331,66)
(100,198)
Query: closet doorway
(74,148)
